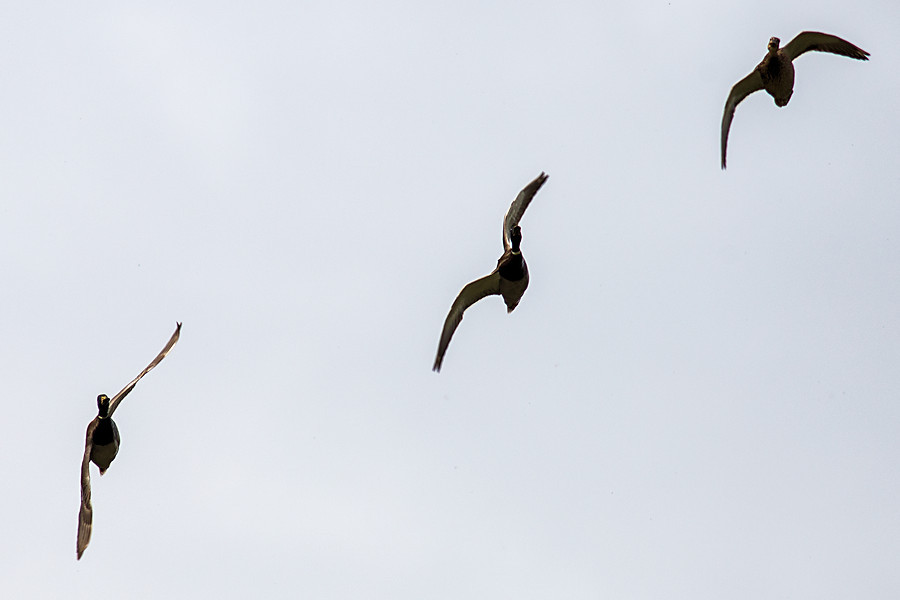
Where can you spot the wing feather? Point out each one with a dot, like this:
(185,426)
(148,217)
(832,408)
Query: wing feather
(114,403)
(473,292)
(86,512)
(743,88)
(823,42)
(518,206)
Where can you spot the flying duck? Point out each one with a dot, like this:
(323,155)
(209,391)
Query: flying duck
(508,280)
(775,73)
(102,444)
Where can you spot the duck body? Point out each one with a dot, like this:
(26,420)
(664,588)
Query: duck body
(513,271)
(777,73)
(105,444)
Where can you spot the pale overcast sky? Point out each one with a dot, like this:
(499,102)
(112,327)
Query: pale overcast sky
(698,396)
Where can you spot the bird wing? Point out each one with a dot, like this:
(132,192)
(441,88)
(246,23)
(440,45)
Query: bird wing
(822,42)
(127,389)
(86,512)
(486,286)
(517,208)
(743,88)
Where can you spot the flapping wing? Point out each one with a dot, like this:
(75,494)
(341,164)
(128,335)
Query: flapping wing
(127,389)
(517,208)
(472,293)
(822,42)
(86,512)
(743,88)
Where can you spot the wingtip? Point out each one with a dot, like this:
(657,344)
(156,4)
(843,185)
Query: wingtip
(81,544)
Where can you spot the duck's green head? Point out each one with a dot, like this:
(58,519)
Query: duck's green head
(103,405)
(516,238)
(774,44)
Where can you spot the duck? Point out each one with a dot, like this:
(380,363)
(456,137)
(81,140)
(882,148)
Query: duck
(775,73)
(508,280)
(102,444)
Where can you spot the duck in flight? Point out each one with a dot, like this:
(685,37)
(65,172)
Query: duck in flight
(508,280)
(775,73)
(102,444)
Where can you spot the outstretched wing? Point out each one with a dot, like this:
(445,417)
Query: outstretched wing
(822,42)
(517,208)
(472,293)
(127,389)
(86,512)
(743,88)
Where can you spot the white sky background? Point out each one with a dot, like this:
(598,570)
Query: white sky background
(697,396)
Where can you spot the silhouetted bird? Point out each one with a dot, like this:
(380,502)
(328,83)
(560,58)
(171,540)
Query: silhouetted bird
(102,444)
(509,279)
(775,73)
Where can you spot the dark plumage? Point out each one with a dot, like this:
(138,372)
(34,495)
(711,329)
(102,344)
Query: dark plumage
(509,279)
(775,73)
(102,444)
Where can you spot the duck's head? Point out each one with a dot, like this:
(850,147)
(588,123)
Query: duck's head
(103,405)
(774,44)
(516,238)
